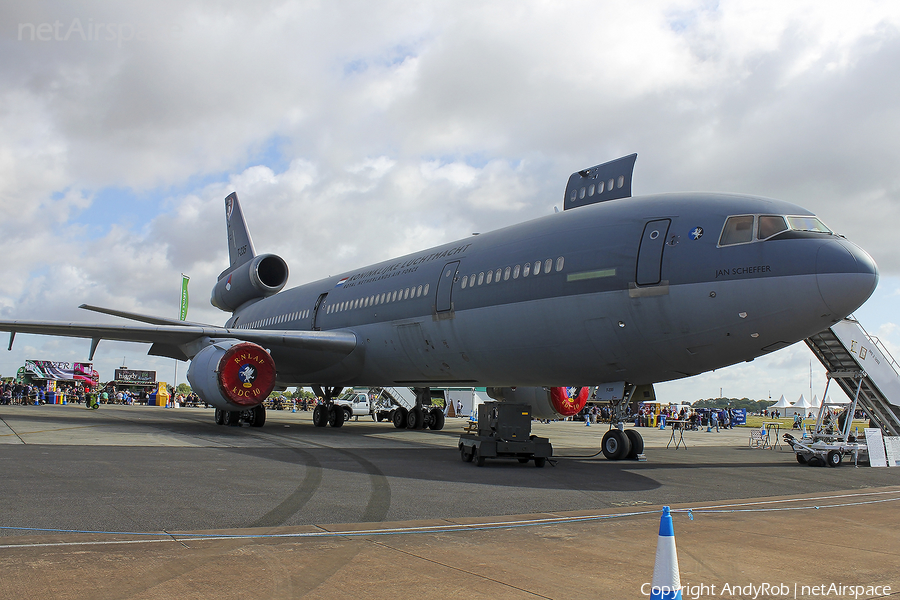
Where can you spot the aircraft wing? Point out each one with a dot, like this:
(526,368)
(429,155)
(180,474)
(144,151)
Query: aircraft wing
(168,339)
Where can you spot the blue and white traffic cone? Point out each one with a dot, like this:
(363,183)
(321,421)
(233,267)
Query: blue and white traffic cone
(666,580)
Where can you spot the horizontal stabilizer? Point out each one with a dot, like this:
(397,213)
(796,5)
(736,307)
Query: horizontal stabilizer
(608,181)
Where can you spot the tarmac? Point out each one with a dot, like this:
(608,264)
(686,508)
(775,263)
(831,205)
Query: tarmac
(143,502)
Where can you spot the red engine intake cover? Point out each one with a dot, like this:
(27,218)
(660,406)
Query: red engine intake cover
(568,401)
(246,374)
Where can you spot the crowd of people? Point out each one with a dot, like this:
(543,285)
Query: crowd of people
(70,393)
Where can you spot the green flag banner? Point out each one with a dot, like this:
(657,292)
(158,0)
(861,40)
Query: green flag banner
(184,296)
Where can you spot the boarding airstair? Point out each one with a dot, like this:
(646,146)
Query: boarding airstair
(405,397)
(861,365)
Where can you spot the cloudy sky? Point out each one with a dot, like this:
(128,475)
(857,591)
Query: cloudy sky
(358,131)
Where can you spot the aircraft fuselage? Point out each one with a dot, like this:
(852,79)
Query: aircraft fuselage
(637,289)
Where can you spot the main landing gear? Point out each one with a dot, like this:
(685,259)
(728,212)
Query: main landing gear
(254,417)
(327,412)
(422,416)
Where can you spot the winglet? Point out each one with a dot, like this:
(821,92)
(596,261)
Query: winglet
(240,245)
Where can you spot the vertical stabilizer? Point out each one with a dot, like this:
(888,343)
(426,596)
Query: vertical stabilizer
(240,245)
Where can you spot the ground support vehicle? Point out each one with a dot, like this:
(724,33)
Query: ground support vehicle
(829,442)
(504,431)
(356,404)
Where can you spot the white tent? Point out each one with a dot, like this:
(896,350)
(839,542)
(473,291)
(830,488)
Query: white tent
(841,399)
(801,407)
(780,406)
(814,405)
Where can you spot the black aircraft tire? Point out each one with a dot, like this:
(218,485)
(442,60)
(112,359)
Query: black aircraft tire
(437,419)
(615,445)
(336,416)
(232,418)
(415,419)
(320,416)
(398,417)
(258,416)
(220,416)
(637,443)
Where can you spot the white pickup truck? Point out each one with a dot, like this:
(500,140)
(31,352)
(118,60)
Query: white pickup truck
(358,404)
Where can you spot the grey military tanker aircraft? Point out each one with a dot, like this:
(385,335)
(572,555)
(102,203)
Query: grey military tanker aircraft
(614,288)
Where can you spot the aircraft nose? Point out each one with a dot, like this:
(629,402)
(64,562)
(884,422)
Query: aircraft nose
(846,276)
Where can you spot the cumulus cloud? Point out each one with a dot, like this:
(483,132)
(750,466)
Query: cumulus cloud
(357,132)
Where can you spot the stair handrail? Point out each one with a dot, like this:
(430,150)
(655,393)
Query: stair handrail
(881,347)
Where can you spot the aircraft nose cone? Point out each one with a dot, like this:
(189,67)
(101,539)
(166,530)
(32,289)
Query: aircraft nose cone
(846,276)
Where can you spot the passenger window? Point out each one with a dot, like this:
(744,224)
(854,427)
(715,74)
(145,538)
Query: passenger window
(465,279)
(591,190)
(600,187)
(526,270)
(580,194)
(497,275)
(574,195)
(507,273)
(490,277)
(738,230)
(516,272)
(559,263)
(481,278)
(769,226)
(548,264)
(537,268)
(425,291)
(418,291)
(621,181)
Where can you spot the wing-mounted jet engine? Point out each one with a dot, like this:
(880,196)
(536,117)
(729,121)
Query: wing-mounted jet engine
(236,377)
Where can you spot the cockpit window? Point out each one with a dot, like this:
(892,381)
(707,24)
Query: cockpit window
(769,226)
(738,230)
(807,224)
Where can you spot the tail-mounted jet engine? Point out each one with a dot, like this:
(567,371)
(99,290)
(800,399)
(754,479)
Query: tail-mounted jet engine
(546,403)
(235,377)
(261,277)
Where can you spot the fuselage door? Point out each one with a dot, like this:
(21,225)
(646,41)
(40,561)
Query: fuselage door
(442,301)
(649,260)
(315,318)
